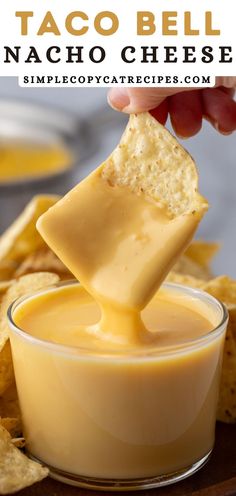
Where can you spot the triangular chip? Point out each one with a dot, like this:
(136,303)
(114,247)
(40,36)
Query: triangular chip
(43,260)
(188,267)
(185,280)
(9,404)
(24,285)
(16,470)
(12,425)
(226,411)
(223,288)
(202,252)
(151,162)
(6,365)
(22,237)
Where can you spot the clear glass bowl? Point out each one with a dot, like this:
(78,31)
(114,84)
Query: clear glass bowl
(117,421)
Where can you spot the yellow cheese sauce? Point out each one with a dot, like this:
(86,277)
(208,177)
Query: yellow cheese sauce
(19,161)
(70,316)
(116,409)
(119,245)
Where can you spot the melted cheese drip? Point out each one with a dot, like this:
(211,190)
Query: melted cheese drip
(119,245)
(70,316)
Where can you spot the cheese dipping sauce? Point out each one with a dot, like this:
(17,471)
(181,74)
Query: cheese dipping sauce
(75,313)
(98,409)
(20,161)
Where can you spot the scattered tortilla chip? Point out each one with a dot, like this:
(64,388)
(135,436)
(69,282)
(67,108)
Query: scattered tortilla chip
(187,266)
(151,162)
(43,260)
(24,285)
(9,405)
(202,252)
(12,425)
(223,288)
(185,280)
(19,442)
(7,269)
(4,285)
(226,411)
(10,417)
(22,238)
(196,260)
(6,366)
(16,470)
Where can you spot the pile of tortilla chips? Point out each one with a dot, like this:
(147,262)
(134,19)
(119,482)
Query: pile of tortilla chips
(26,265)
(22,251)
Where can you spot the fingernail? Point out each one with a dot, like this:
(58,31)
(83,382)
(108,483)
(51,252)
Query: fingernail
(221,130)
(225,133)
(118,98)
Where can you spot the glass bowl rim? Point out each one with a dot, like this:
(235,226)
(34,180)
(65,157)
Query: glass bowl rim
(130,354)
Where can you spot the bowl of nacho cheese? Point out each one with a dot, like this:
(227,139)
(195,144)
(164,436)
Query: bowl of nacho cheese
(38,152)
(101,416)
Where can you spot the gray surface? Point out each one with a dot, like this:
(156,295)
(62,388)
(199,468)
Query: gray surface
(214,154)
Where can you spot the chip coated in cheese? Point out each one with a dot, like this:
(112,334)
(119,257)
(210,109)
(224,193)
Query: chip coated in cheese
(118,244)
(122,229)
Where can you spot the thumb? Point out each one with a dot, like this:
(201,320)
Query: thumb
(227,82)
(133,100)
(142,99)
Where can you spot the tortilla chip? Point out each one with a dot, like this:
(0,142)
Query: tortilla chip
(187,266)
(23,286)
(6,367)
(4,285)
(10,417)
(196,260)
(202,252)
(7,269)
(19,442)
(223,288)
(226,411)
(151,162)
(185,280)
(22,238)
(43,260)
(16,470)
(12,425)
(9,405)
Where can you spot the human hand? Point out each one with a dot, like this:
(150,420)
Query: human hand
(186,106)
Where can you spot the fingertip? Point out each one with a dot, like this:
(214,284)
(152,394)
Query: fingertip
(220,109)
(186,113)
(118,98)
(135,100)
(188,131)
(160,113)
